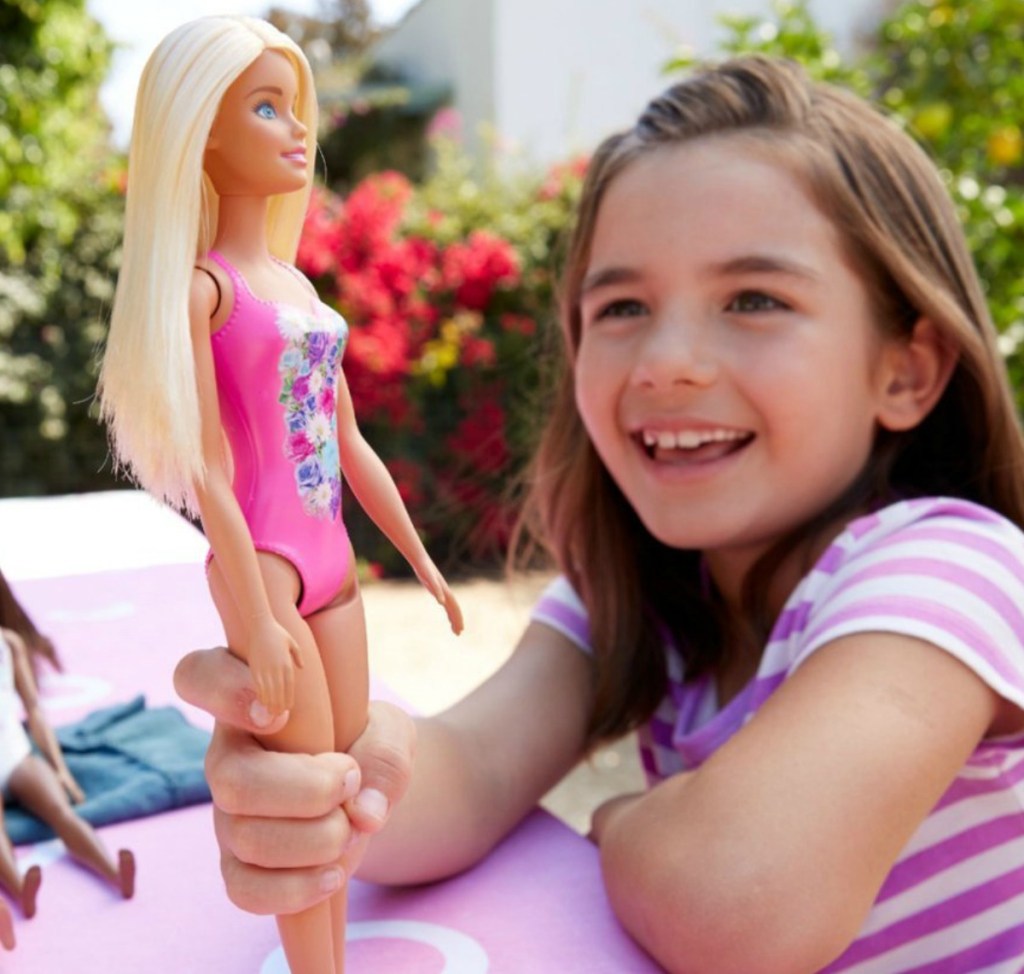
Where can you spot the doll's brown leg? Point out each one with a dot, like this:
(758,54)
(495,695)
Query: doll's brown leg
(6,927)
(340,632)
(22,888)
(307,937)
(35,785)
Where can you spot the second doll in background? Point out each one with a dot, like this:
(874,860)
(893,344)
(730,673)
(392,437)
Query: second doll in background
(223,388)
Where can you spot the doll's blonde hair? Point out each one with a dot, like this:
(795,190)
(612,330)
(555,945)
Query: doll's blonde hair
(147,387)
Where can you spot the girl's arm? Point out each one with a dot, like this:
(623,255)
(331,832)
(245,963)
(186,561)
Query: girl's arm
(769,857)
(269,650)
(377,494)
(482,765)
(38,726)
(478,769)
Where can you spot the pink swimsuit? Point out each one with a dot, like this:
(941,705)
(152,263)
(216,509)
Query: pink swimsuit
(277,368)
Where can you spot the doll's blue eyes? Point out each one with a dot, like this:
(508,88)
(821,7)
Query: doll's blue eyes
(265,110)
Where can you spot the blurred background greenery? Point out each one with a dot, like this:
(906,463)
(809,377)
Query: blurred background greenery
(462,279)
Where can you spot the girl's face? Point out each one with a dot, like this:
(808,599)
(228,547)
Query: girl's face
(729,372)
(257,147)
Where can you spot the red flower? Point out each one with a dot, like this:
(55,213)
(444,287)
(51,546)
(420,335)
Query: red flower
(477,351)
(474,270)
(561,175)
(480,438)
(518,324)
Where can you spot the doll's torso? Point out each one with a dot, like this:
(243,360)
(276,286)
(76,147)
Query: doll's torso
(14,744)
(278,367)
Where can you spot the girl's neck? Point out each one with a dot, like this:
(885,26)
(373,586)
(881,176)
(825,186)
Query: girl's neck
(242,229)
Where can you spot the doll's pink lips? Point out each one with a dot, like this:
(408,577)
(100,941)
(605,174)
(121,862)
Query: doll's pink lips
(296,155)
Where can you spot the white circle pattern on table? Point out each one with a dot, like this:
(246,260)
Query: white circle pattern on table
(461,953)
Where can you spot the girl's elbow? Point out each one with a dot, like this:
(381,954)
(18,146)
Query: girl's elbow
(698,916)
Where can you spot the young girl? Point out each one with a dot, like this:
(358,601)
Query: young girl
(43,786)
(222,386)
(784,482)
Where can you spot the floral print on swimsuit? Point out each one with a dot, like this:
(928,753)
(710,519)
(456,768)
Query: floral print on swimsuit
(309,365)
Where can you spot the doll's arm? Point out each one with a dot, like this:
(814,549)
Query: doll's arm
(269,649)
(38,726)
(376,492)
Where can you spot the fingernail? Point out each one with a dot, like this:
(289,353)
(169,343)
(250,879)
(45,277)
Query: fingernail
(331,880)
(259,714)
(373,803)
(351,783)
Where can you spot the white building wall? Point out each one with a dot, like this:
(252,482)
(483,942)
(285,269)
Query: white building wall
(553,77)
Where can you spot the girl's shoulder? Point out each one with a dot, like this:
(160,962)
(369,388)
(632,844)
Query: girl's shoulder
(926,523)
(940,569)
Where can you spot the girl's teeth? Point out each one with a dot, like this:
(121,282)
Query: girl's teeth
(687,439)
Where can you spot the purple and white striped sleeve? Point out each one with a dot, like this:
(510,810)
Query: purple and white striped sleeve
(560,608)
(954,578)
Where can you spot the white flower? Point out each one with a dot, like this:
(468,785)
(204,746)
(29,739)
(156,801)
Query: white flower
(292,323)
(318,428)
(321,496)
(316,380)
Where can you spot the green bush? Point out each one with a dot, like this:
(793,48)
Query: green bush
(59,232)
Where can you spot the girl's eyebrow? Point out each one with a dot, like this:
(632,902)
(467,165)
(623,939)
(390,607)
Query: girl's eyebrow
(764,264)
(607,276)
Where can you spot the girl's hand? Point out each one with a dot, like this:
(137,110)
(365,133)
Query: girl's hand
(433,581)
(271,654)
(68,783)
(283,821)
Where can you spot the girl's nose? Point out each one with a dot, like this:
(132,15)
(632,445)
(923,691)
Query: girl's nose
(675,352)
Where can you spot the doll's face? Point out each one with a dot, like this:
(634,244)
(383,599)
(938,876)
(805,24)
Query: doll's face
(257,147)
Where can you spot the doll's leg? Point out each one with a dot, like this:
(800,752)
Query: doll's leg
(340,631)
(35,785)
(22,888)
(307,937)
(6,927)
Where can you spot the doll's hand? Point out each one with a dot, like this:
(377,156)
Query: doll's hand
(271,654)
(433,581)
(73,789)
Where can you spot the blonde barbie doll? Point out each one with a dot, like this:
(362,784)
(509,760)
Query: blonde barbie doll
(222,387)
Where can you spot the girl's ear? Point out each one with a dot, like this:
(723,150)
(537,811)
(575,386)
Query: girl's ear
(915,373)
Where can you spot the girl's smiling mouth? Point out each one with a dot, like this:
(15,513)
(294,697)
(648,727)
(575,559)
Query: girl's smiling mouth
(695,445)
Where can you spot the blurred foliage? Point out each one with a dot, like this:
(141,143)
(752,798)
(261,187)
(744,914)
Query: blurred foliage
(449,291)
(340,28)
(59,232)
(952,73)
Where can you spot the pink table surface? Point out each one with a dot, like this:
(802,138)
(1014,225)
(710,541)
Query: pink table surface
(535,905)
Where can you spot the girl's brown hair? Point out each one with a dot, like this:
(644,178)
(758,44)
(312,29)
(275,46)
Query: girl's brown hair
(898,225)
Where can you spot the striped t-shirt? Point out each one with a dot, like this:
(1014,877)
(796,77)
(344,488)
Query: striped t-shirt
(945,571)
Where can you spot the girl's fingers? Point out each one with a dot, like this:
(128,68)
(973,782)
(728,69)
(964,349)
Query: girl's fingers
(385,752)
(245,779)
(269,843)
(223,686)
(278,891)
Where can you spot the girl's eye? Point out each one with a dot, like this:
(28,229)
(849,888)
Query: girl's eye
(754,301)
(623,308)
(265,110)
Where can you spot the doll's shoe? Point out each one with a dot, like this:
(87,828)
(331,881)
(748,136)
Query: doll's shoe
(126,873)
(6,928)
(30,883)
